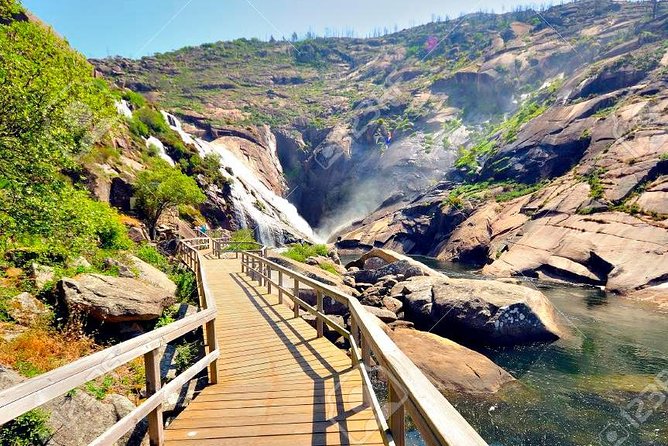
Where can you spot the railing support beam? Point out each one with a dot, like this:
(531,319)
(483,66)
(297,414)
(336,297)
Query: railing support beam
(295,291)
(319,323)
(155,422)
(397,415)
(280,287)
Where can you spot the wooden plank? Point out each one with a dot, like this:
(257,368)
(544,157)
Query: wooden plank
(332,439)
(361,429)
(223,419)
(275,413)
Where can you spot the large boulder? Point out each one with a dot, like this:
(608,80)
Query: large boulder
(622,252)
(114,299)
(448,365)
(480,311)
(402,267)
(383,314)
(152,275)
(378,258)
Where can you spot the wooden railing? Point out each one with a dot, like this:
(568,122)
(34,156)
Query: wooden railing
(409,391)
(37,391)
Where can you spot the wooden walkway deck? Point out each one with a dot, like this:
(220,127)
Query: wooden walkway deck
(279,384)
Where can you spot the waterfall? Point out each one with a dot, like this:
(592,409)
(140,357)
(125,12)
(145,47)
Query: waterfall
(162,153)
(123,108)
(254,202)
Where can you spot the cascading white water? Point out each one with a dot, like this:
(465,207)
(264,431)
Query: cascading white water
(252,199)
(162,153)
(123,108)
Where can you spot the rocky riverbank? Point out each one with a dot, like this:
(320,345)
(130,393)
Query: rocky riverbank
(434,319)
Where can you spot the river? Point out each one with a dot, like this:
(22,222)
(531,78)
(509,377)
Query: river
(605,383)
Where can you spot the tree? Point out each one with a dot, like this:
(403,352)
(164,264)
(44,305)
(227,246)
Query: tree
(294,37)
(161,187)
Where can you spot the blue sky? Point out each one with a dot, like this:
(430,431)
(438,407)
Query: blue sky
(135,28)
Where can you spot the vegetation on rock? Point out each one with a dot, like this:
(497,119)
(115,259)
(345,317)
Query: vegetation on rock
(161,187)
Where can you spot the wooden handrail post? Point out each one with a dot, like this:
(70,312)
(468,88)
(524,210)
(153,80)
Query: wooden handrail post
(212,345)
(295,292)
(268,279)
(280,286)
(319,323)
(366,361)
(355,335)
(397,421)
(155,423)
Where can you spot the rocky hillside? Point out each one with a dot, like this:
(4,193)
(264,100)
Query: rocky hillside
(531,143)
(357,120)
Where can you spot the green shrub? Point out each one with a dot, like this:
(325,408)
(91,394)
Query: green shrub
(186,286)
(245,239)
(186,355)
(302,251)
(136,99)
(166,318)
(516,190)
(329,267)
(30,429)
(49,103)
(100,391)
(596,189)
(150,254)
(138,128)
(153,119)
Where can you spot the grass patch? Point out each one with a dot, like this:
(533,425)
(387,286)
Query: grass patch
(516,190)
(329,267)
(595,186)
(40,350)
(151,255)
(244,240)
(101,389)
(302,251)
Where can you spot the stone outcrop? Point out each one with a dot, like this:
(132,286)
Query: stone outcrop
(479,311)
(25,309)
(113,299)
(42,275)
(151,275)
(602,223)
(448,365)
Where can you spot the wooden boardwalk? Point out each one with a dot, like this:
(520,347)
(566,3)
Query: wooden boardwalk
(278,383)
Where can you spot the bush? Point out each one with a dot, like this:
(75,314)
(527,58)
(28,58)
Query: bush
(186,286)
(151,255)
(30,429)
(329,267)
(596,189)
(136,99)
(302,251)
(186,355)
(515,190)
(241,236)
(153,119)
(138,128)
(39,350)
